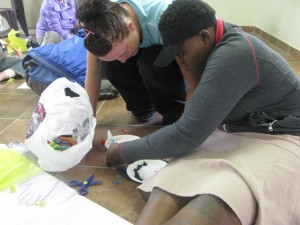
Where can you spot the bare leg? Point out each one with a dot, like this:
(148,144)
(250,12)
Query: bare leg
(160,207)
(205,210)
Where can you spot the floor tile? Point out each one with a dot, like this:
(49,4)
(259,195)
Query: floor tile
(114,112)
(4,123)
(14,131)
(116,194)
(12,88)
(18,105)
(20,101)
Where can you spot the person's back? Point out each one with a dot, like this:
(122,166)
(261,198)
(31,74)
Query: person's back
(267,88)
(58,16)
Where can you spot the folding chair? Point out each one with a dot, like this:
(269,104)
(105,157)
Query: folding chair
(14,15)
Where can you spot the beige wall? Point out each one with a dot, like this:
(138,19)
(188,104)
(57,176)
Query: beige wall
(240,12)
(279,18)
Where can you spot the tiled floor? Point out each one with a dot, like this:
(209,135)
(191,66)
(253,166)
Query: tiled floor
(122,199)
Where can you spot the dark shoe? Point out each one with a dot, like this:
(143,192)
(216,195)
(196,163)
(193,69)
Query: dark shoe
(109,95)
(31,43)
(146,117)
(108,91)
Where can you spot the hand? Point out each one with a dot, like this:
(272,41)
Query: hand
(97,155)
(113,157)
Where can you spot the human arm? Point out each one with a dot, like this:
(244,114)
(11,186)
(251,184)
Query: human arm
(222,86)
(93,80)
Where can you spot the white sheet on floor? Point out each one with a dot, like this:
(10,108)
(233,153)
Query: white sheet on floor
(62,205)
(23,86)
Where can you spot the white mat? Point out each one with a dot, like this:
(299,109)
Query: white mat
(62,205)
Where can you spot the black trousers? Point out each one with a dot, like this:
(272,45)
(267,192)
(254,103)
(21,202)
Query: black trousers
(145,87)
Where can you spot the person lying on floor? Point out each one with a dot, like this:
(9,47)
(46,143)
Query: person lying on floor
(245,86)
(56,59)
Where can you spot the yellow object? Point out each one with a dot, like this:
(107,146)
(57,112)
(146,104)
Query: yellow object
(11,80)
(15,168)
(12,189)
(15,43)
(40,203)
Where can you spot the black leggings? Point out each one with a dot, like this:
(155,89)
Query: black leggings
(144,86)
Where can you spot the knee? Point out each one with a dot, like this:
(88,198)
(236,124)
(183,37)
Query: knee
(215,210)
(35,86)
(51,37)
(206,210)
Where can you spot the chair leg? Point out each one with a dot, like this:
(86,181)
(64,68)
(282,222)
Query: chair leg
(19,9)
(13,18)
(6,15)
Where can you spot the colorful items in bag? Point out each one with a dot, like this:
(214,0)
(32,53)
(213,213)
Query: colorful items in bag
(62,142)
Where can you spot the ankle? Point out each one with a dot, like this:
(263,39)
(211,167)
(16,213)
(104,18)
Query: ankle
(6,74)
(10,73)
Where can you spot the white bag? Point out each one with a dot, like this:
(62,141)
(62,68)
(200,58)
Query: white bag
(63,110)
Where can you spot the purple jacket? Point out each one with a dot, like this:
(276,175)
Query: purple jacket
(56,16)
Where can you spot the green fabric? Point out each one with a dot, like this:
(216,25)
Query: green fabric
(15,168)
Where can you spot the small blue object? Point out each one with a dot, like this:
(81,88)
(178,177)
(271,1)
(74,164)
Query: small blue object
(57,141)
(117,182)
(84,185)
(80,33)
